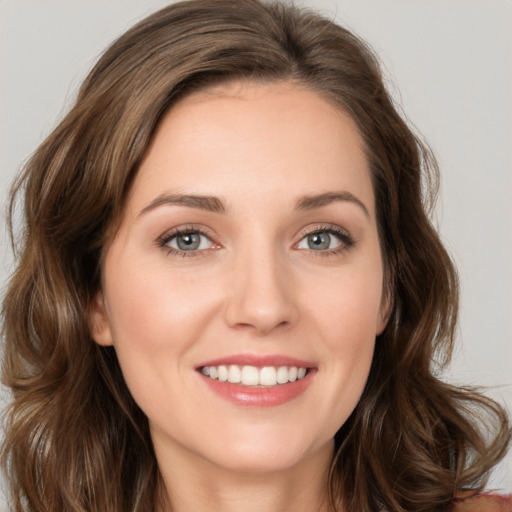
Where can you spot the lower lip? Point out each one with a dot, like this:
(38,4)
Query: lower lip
(259,396)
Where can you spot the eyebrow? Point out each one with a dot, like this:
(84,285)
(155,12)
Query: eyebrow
(208,203)
(216,205)
(317,201)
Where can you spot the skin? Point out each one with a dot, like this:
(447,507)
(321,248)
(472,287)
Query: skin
(255,286)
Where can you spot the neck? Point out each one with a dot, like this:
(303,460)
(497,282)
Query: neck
(193,483)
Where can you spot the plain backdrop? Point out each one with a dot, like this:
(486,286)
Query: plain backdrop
(448,63)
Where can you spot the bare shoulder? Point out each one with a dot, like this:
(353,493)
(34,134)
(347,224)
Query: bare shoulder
(483,502)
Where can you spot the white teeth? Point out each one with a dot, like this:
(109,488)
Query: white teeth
(254,376)
(250,376)
(282,375)
(234,374)
(223,373)
(268,376)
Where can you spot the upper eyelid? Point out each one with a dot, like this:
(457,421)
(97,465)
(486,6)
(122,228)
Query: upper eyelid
(180,230)
(347,240)
(319,228)
(325,227)
(187,228)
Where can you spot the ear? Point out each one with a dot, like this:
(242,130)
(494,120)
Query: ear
(99,324)
(386,307)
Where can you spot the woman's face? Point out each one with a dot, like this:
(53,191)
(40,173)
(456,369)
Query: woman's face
(248,250)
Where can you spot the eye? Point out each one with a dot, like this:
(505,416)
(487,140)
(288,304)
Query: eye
(326,240)
(186,240)
(320,241)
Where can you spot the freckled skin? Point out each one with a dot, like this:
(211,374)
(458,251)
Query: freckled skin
(255,286)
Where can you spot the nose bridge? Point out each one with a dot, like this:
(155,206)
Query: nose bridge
(261,295)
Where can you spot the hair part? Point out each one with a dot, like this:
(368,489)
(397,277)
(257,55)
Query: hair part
(75,438)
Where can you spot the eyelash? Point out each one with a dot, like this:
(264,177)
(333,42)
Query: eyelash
(185,230)
(346,240)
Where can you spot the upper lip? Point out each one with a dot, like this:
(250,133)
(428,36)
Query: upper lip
(258,360)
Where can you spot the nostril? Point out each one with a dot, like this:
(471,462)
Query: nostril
(261,301)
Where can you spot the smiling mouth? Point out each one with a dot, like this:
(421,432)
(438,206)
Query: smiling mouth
(251,376)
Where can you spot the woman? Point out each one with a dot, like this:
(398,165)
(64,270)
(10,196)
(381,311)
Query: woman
(229,293)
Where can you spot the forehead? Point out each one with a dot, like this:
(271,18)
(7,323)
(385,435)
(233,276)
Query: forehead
(245,139)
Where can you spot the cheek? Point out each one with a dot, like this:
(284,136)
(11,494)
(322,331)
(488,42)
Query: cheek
(347,308)
(152,307)
(155,318)
(348,330)
(346,314)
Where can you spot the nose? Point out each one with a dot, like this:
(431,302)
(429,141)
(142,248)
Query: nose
(261,297)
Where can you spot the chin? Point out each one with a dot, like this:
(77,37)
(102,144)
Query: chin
(269,456)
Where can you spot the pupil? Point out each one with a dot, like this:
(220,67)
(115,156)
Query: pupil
(188,241)
(319,241)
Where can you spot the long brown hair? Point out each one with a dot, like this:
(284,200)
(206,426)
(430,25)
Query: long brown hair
(75,439)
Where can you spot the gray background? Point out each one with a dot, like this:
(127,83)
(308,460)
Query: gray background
(449,63)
